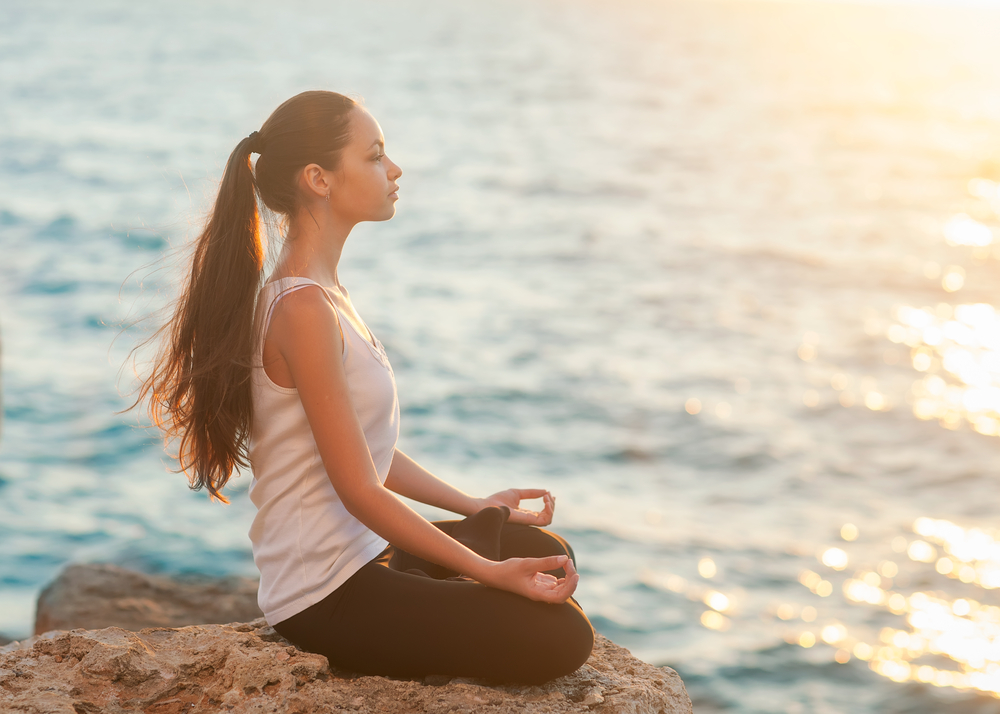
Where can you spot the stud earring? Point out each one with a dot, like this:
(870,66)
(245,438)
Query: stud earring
(328,196)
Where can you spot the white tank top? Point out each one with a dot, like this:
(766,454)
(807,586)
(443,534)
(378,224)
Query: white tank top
(305,543)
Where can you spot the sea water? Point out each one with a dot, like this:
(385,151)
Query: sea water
(720,275)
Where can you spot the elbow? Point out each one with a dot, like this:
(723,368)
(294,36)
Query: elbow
(361,500)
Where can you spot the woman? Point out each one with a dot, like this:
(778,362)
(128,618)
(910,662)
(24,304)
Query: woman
(289,380)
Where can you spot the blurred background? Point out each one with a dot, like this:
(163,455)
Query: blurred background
(721,275)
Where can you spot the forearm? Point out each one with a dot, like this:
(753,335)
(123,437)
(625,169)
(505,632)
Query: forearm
(386,515)
(380,510)
(408,478)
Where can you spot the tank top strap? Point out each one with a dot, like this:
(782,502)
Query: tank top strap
(287,286)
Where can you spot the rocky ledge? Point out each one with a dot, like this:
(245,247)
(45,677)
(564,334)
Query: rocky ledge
(248,667)
(102,595)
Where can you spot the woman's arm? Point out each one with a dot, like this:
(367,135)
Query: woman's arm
(410,479)
(306,331)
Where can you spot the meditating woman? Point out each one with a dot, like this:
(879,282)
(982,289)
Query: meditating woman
(287,379)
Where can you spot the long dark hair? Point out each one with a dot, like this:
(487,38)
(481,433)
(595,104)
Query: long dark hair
(198,390)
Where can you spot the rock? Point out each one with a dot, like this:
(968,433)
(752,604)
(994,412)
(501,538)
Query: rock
(97,596)
(249,668)
(4,640)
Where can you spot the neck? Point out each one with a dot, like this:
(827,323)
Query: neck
(314,244)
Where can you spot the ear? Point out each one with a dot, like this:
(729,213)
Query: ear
(315,181)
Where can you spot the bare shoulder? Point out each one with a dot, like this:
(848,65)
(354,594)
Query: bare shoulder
(305,315)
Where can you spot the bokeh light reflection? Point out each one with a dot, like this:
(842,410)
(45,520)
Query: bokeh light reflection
(929,637)
(965,230)
(962,632)
(960,357)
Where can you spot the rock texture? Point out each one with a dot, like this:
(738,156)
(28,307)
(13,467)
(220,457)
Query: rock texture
(124,668)
(97,596)
(250,668)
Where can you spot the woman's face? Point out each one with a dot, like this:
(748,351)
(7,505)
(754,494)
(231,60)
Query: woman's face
(364,184)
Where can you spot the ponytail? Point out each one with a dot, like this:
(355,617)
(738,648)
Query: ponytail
(199,388)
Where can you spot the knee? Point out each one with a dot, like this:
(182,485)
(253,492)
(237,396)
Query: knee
(569,550)
(579,639)
(520,541)
(569,644)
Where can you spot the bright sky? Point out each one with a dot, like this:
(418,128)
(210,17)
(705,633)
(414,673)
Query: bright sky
(954,3)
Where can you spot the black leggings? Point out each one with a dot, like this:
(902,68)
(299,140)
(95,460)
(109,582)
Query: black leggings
(387,621)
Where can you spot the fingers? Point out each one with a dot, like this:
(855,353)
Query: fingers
(555,593)
(566,586)
(526,577)
(512,498)
(570,569)
(530,518)
(533,518)
(527,518)
(545,517)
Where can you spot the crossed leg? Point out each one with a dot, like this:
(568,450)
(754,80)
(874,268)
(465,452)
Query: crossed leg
(387,621)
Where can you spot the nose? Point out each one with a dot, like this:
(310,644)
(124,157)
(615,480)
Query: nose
(395,172)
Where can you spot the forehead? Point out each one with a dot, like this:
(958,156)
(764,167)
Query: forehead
(365,130)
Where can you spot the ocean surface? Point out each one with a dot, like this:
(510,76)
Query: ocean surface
(721,275)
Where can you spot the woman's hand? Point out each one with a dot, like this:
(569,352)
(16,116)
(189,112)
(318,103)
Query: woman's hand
(512,498)
(525,576)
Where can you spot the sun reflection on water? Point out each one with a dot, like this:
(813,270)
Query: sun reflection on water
(949,642)
(965,230)
(956,347)
(974,553)
(938,640)
(935,638)
(958,350)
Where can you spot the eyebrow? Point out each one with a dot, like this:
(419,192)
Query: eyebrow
(378,142)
